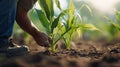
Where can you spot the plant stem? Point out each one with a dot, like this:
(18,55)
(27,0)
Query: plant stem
(53,45)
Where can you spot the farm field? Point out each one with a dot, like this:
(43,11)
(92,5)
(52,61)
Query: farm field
(83,54)
(84,33)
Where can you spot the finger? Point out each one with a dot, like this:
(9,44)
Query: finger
(46,44)
(50,40)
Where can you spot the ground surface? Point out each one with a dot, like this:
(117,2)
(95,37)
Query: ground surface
(81,54)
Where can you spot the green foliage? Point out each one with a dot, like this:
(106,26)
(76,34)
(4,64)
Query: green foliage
(118,15)
(63,26)
(85,6)
(55,22)
(114,26)
(58,4)
(44,20)
(47,7)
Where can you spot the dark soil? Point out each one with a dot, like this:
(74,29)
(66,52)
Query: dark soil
(81,54)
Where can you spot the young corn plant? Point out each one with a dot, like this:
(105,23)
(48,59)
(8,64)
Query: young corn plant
(61,27)
(49,22)
(73,23)
(70,24)
(114,25)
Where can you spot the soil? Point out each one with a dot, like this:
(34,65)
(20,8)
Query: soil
(81,54)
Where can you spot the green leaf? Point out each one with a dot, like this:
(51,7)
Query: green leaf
(58,4)
(71,10)
(55,22)
(43,19)
(90,27)
(118,15)
(85,5)
(89,9)
(115,25)
(113,29)
(50,6)
(47,6)
(79,17)
(79,32)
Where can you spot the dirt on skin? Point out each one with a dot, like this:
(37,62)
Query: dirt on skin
(81,54)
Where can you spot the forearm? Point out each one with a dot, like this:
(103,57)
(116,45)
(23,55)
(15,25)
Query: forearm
(24,22)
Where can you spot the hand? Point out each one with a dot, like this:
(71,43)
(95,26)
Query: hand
(42,39)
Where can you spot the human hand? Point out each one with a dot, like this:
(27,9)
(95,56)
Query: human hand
(42,39)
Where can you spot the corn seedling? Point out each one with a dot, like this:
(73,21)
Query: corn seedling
(64,25)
